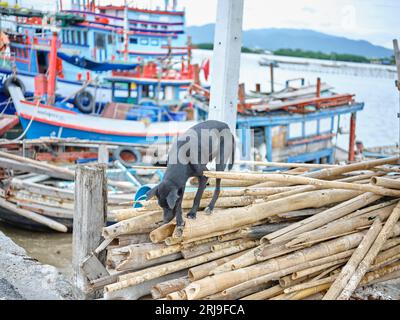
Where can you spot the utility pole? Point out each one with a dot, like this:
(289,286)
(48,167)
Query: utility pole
(226,62)
(397,61)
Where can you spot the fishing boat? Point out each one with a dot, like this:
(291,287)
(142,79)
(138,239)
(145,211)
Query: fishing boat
(296,124)
(146,106)
(94,41)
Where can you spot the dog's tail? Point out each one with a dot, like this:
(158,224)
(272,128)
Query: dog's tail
(232,161)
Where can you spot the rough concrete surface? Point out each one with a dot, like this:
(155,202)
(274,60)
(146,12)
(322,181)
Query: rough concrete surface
(24,278)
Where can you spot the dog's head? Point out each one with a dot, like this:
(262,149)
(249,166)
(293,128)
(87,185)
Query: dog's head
(167,196)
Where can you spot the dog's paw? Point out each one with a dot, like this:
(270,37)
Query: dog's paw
(208,211)
(178,232)
(191,215)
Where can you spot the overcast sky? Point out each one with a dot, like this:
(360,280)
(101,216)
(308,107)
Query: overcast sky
(373,20)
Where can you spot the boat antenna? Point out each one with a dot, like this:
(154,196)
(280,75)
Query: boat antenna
(397,61)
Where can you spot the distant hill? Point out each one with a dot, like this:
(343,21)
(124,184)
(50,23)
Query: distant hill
(274,39)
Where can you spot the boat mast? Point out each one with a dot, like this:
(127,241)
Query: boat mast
(226,62)
(126,31)
(52,75)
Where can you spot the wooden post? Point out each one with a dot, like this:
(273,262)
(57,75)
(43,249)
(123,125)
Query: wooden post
(397,59)
(271,71)
(89,220)
(242,94)
(226,62)
(352,139)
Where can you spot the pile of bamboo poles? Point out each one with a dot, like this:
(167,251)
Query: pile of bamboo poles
(42,194)
(314,235)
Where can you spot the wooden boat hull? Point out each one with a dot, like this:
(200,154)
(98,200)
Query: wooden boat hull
(47,121)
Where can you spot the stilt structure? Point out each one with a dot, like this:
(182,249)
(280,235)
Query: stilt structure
(226,62)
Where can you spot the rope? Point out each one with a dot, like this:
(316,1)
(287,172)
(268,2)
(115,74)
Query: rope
(28,127)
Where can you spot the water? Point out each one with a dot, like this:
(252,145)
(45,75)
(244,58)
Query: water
(377,124)
(49,248)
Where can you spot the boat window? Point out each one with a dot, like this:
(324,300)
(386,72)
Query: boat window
(121,90)
(325,125)
(121,39)
(154,42)
(144,41)
(111,39)
(154,26)
(100,40)
(78,37)
(311,128)
(295,130)
(133,40)
(164,42)
(73,37)
(164,27)
(144,25)
(85,40)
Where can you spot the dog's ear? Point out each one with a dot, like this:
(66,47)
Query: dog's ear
(172,198)
(151,193)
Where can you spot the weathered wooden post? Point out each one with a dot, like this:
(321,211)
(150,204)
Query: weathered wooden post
(226,62)
(89,220)
(271,72)
(352,139)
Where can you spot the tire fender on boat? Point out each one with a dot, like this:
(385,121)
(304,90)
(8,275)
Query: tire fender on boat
(125,154)
(13,81)
(84,101)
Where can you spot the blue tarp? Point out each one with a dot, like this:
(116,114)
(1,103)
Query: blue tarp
(88,64)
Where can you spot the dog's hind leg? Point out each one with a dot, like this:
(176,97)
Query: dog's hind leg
(211,206)
(199,194)
(217,191)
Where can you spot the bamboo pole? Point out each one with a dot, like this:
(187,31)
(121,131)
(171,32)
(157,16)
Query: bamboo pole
(239,217)
(284,178)
(321,218)
(385,182)
(310,284)
(365,264)
(367,279)
(125,214)
(365,165)
(224,245)
(258,232)
(283,272)
(201,271)
(266,294)
(358,255)
(135,278)
(286,165)
(163,232)
(312,270)
(220,282)
(346,225)
(163,289)
(132,225)
(54,225)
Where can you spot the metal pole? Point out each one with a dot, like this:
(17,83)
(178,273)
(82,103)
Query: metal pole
(226,62)
(271,70)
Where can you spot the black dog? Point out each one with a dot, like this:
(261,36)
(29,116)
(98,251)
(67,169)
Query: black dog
(188,157)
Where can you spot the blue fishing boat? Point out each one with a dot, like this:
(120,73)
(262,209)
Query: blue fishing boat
(94,41)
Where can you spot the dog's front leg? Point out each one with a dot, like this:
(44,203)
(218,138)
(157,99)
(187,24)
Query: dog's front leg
(180,223)
(199,194)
